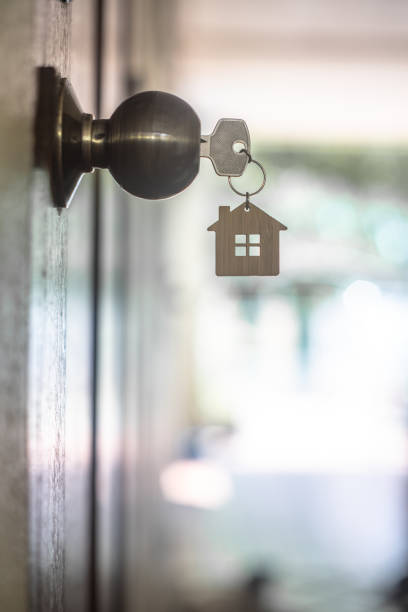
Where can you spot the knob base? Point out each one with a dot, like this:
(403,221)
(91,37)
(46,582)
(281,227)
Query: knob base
(63,143)
(71,155)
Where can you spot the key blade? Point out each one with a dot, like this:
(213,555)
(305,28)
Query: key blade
(218,147)
(205,146)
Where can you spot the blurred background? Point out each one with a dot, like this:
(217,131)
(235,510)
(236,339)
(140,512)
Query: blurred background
(174,441)
(276,457)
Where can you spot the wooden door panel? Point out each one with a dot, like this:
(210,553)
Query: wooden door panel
(45,320)
(60,403)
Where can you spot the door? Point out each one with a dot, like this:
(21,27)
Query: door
(46,325)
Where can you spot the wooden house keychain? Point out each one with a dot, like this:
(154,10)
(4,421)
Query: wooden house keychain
(246,238)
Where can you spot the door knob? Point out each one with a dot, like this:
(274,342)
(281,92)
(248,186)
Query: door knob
(151,144)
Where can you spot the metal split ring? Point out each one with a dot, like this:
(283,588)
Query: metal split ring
(246,194)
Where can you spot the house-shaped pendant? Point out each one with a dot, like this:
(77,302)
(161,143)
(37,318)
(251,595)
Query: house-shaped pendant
(247,242)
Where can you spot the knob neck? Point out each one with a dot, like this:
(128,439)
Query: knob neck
(99,152)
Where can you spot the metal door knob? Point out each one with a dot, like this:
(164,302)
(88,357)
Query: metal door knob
(151,144)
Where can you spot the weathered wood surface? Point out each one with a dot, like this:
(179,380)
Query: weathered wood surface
(37,455)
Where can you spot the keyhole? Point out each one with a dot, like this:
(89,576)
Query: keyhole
(238,146)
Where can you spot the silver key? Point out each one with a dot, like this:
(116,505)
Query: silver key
(218,147)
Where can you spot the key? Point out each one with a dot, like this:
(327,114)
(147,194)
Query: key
(218,147)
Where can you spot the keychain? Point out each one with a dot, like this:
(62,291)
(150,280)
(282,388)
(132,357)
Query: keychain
(246,238)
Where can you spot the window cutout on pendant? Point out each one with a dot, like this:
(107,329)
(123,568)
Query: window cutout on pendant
(240,238)
(255,238)
(254,251)
(240,251)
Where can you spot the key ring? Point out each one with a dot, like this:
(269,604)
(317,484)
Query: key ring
(246,194)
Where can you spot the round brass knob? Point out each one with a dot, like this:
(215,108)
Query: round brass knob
(151,144)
